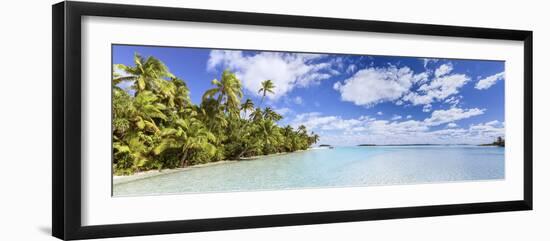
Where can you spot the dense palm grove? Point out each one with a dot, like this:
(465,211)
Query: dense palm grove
(155,126)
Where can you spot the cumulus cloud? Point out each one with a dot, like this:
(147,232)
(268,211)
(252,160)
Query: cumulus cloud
(493,123)
(404,127)
(421,78)
(286,70)
(337,130)
(427,108)
(316,121)
(492,128)
(379,113)
(453,100)
(283,111)
(371,86)
(409,116)
(438,89)
(439,117)
(443,70)
(489,81)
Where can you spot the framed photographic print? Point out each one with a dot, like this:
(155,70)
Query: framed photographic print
(169,120)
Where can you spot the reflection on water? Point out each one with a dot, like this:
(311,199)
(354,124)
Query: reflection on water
(338,167)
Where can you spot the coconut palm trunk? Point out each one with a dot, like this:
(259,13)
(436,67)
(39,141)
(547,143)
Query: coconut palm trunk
(184,159)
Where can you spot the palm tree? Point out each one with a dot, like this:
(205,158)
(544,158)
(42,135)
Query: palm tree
(313,138)
(267,86)
(147,108)
(134,150)
(271,115)
(269,133)
(158,126)
(212,115)
(257,115)
(146,74)
(182,92)
(248,105)
(188,135)
(288,134)
(288,130)
(228,91)
(302,130)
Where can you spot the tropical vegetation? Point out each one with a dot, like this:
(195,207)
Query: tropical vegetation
(156,126)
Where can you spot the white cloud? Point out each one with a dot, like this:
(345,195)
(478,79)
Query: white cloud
(314,120)
(489,81)
(283,111)
(443,70)
(286,70)
(404,127)
(371,86)
(339,131)
(427,108)
(439,117)
(421,78)
(438,89)
(453,100)
(379,113)
(493,123)
(396,117)
(491,129)
(399,134)
(409,116)
(417,99)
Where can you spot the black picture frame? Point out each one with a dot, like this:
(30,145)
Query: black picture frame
(66,127)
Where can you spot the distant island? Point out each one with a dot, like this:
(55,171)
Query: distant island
(499,142)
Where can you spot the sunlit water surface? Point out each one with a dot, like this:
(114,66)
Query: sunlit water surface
(338,167)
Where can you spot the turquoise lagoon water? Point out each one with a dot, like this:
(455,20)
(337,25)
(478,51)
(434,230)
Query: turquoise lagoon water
(338,167)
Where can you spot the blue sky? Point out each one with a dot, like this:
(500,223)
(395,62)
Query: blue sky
(354,99)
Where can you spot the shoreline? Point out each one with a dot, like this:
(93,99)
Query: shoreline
(116,179)
(153,173)
(275,154)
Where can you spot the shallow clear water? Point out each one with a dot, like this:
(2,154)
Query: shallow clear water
(338,167)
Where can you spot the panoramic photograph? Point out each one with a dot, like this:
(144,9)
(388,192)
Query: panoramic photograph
(203,120)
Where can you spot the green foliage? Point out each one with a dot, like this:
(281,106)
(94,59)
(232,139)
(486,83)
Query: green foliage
(155,125)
